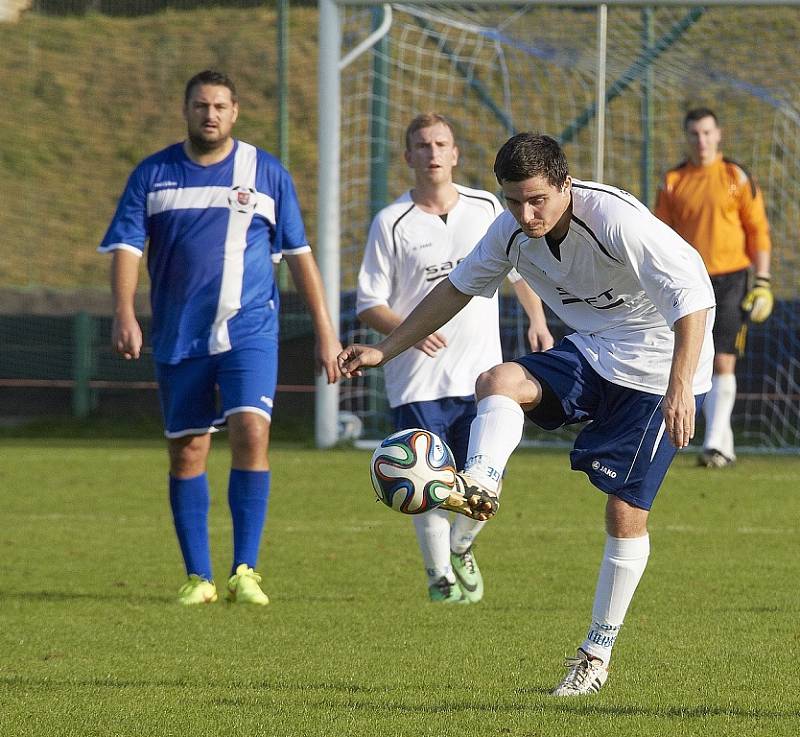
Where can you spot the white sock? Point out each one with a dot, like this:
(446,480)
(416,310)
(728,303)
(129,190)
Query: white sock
(624,561)
(433,536)
(493,435)
(717,409)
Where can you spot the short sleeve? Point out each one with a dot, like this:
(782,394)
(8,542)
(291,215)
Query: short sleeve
(375,277)
(128,229)
(290,232)
(482,272)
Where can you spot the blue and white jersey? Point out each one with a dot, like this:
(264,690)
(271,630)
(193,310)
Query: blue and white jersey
(214,233)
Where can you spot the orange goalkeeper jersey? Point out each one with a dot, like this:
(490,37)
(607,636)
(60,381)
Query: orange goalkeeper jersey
(719,210)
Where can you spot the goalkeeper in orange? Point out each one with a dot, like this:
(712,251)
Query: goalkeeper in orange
(717,207)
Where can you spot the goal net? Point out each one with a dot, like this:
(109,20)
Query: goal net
(498,70)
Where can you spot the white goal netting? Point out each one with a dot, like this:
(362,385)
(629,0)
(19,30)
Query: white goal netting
(500,70)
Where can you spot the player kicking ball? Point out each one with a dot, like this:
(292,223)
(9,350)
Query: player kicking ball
(637,366)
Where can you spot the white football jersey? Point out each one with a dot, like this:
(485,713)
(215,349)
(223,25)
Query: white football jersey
(620,279)
(408,252)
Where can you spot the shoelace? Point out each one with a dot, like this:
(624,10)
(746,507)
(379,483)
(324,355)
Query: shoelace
(468,560)
(444,586)
(581,670)
(250,573)
(193,582)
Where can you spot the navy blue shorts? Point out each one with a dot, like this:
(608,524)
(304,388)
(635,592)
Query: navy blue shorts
(625,449)
(449,418)
(246,377)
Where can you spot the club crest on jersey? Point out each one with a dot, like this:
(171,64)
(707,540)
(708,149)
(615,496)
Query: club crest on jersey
(242,199)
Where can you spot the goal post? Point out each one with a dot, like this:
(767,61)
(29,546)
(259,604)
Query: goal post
(612,82)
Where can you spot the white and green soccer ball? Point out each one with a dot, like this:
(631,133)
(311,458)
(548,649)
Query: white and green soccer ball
(413,471)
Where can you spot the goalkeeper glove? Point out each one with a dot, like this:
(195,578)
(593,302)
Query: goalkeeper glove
(759,300)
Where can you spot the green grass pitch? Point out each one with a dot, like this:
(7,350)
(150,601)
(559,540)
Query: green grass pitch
(91,642)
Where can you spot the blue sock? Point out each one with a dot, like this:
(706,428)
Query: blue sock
(189,499)
(248,492)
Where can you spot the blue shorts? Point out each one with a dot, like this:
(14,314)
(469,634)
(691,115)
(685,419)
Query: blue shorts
(625,449)
(246,377)
(449,418)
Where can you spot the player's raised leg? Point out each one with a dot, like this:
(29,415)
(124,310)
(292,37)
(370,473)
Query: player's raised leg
(495,433)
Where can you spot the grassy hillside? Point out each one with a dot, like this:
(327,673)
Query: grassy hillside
(88,97)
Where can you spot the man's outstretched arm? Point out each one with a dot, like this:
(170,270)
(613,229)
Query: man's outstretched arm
(439,306)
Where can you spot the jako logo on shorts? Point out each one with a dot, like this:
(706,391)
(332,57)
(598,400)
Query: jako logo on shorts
(597,466)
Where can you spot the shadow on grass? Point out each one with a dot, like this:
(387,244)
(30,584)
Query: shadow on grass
(58,596)
(543,703)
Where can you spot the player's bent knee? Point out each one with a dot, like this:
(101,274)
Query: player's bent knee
(510,380)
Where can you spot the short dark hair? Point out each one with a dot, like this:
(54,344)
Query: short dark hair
(528,155)
(426,120)
(698,113)
(210,76)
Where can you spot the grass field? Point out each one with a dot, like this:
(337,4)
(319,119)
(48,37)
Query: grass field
(92,643)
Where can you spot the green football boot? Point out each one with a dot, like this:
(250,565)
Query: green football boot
(446,592)
(243,587)
(197,590)
(468,575)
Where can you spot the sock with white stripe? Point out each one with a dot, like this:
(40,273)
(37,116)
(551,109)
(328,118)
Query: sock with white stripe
(624,561)
(494,434)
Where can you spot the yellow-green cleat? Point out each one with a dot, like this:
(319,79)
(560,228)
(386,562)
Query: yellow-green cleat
(197,590)
(468,575)
(243,587)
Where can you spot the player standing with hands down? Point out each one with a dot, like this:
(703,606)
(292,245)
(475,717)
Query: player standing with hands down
(217,213)
(637,365)
(413,244)
(717,207)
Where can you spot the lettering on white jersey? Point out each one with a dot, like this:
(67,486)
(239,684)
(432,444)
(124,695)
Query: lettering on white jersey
(603,301)
(439,271)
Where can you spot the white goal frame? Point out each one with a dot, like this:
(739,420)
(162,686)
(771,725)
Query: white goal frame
(329,139)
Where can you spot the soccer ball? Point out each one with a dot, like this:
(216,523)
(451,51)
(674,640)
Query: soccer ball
(413,471)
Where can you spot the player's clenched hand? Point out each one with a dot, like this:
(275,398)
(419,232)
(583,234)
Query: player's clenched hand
(430,345)
(679,415)
(126,337)
(356,357)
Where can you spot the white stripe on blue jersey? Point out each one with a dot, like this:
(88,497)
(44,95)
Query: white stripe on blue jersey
(212,234)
